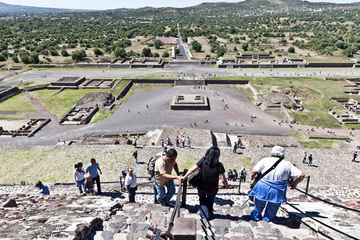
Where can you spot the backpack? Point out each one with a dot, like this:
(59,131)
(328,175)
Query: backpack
(151,163)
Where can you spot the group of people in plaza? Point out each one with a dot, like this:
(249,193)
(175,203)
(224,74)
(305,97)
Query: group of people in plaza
(268,193)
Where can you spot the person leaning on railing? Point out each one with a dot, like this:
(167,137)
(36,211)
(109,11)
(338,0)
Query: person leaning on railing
(211,169)
(270,190)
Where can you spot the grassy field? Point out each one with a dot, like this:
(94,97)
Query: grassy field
(56,164)
(100,115)
(60,104)
(21,85)
(315,143)
(16,108)
(117,90)
(313,91)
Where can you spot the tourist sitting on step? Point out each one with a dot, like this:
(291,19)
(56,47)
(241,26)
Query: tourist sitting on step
(88,185)
(235,174)
(43,188)
(230,175)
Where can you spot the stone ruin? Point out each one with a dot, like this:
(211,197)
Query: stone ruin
(113,138)
(351,113)
(28,128)
(256,141)
(8,92)
(353,85)
(81,83)
(190,102)
(67,82)
(275,101)
(86,108)
(184,79)
(123,63)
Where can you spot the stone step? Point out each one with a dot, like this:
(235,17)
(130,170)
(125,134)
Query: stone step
(65,214)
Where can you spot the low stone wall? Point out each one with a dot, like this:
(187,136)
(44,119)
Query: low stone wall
(35,88)
(183,62)
(214,81)
(125,90)
(330,65)
(42,66)
(39,127)
(8,93)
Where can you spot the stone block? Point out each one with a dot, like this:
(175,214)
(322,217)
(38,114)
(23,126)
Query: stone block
(184,229)
(10,203)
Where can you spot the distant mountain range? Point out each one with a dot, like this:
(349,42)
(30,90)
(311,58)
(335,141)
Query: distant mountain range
(10,8)
(260,5)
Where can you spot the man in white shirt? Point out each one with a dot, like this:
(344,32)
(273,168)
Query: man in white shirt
(270,191)
(130,184)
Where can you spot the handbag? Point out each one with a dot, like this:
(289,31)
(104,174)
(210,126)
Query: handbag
(195,178)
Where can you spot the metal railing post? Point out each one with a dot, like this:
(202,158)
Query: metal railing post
(307,184)
(184,191)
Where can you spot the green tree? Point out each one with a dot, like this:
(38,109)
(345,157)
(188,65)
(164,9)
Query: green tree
(53,52)
(165,55)
(33,58)
(98,52)
(155,55)
(245,46)
(351,50)
(158,44)
(291,49)
(196,46)
(120,52)
(2,58)
(15,58)
(78,55)
(146,52)
(64,52)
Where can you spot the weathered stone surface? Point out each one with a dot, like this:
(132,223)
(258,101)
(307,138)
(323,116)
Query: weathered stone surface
(269,232)
(243,231)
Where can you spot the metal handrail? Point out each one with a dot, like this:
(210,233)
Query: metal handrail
(175,212)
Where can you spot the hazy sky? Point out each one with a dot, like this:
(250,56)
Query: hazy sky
(111,4)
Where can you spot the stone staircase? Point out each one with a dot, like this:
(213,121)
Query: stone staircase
(66,215)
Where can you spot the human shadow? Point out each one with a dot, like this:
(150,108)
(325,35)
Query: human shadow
(223,202)
(228,217)
(113,194)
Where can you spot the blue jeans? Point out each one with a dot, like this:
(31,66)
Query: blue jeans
(270,211)
(161,195)
(206,203)
(80,184)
